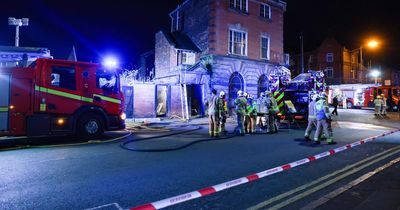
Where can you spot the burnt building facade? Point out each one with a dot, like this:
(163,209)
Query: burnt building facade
(227,45)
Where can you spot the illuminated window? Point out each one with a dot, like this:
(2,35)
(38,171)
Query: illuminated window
(237,42)
(188,58)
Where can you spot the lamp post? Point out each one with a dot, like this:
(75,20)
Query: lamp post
(17,23)
(372,44)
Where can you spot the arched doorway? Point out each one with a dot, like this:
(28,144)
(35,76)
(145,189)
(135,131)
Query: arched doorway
(236,83)
(263,84)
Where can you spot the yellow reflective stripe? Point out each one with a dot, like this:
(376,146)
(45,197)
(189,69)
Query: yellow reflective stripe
(64,94)
(3,109)
(276,92)
(280,105)
(76,97)
(89,100)
(280,97)
(105,98)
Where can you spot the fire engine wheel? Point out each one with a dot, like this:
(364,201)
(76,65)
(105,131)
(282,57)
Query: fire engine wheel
(90,126)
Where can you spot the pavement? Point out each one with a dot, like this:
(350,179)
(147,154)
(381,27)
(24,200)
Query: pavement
(105,176)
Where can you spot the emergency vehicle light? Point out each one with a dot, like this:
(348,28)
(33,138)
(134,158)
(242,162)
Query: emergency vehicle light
(110,62)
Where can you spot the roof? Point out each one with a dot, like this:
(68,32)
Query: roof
(24,49)
(181,41)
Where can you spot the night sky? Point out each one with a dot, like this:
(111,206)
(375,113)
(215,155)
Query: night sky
(126,28)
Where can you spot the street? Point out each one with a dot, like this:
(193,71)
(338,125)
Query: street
(105,176)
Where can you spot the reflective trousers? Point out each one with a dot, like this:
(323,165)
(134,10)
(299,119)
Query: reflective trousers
(240,122)
(213,122)
(271,123)
(323,126)
(312,123)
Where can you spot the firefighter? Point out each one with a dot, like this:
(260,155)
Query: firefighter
(384,105)
(270,105)
(251,114)
(240,108)
(312,121)
(261,111)
(224,112)
(378,105)
(213,114)
(323,119)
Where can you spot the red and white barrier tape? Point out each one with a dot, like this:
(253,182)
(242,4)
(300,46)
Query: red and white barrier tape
(226,185)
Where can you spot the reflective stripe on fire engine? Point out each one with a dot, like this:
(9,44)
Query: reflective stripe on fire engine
(105,98)
(3,109)
(278,95)
(76,97)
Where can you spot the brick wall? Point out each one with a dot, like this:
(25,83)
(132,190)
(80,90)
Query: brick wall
(222,17)
(144,100)
(165,54)
(195,22)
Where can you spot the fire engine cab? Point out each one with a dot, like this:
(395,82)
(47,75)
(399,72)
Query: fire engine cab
(59,97)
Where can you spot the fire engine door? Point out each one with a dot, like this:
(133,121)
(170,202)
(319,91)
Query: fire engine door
(21,101)
(4,101)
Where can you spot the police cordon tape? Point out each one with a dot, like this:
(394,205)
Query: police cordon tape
(226,185)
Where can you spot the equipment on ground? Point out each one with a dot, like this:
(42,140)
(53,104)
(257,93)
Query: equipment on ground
(59,97)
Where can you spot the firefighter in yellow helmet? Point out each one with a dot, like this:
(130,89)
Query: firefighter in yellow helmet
(240,108)
(224,112)
(271,106)
(214,109)
(323,119)
(312,118)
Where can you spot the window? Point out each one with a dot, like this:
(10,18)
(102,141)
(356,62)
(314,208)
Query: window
(188,58)
(265,40)
(329,72)
(240,5)
(237,42)
(329,57)
(106,80)
(265,11)
(63,77)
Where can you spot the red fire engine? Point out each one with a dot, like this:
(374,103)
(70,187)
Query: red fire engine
(392,94)
(58,97)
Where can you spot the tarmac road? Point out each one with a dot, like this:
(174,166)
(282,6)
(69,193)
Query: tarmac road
(91,176)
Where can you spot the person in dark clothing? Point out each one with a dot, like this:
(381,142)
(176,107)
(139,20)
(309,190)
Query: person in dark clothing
(335,104)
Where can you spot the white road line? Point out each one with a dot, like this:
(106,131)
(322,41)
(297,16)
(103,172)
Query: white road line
(351,184)
(116,205)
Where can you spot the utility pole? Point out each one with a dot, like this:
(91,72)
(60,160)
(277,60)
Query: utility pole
(302,53)
(17,23)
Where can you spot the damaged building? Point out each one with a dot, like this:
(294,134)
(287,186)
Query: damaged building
(227,45)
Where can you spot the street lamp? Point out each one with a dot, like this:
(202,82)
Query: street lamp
(372,44)
(375,73)
(17,23)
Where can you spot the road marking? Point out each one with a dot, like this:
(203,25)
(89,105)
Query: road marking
(351,184)
(116,205)
(250,178)
(303,187)
(323,185)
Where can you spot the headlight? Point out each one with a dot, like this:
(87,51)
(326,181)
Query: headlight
(123,116)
